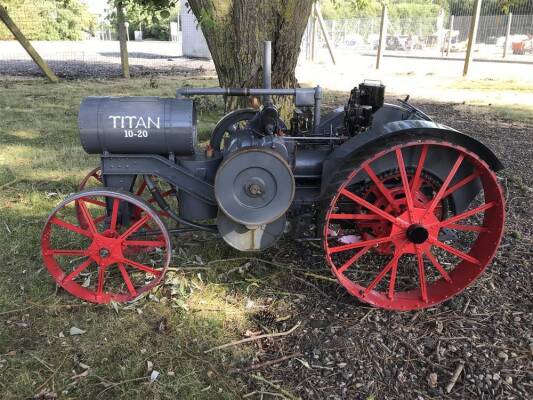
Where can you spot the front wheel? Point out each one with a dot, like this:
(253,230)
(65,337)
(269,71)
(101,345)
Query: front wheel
(398,232)
(97,259)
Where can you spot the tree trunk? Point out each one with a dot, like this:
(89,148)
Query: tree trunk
(123,39)
(236,29)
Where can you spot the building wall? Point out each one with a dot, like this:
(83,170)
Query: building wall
(193,40)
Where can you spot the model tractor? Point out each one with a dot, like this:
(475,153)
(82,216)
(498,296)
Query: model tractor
(409,212)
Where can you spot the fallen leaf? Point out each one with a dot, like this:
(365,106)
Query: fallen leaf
(11,353)
(114,304)
(154,375)
(80,375)
(84,366)
(76,331)
(432,379)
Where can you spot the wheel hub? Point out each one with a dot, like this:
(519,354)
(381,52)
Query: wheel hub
(392,180)
(105,250)
(417,234)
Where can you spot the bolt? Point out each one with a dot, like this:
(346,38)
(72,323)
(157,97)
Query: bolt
(254,189)
(104,253)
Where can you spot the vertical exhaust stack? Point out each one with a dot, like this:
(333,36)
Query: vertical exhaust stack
(267,71)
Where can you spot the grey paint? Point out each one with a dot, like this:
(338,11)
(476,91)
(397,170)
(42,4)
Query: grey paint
(137,125)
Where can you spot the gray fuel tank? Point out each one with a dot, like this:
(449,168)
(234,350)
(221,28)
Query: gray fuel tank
(138,125)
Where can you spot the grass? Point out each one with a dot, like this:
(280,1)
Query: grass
(210,302)
(493,85)
(512,112)
(41,161)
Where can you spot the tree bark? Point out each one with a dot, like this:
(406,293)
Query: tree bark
(236,29)
(123,39)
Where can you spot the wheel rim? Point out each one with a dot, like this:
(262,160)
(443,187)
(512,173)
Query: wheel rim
(423,257)
(98,262)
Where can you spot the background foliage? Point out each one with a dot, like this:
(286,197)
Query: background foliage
(49,19)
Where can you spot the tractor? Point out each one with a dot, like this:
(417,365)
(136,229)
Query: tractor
(409,212)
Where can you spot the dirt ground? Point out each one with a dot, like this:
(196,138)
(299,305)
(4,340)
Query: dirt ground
(356,352)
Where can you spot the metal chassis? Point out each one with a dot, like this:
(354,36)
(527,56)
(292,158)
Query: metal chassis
(119,172)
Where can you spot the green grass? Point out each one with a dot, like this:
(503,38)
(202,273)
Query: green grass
(41,162)
(493,85)
(511,112)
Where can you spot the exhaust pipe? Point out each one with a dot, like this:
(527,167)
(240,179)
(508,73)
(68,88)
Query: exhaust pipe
(267,71)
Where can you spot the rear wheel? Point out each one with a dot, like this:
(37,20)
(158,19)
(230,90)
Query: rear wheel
(98,259)
(392,234)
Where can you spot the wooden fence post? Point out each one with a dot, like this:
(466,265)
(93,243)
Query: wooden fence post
(123,41)
(6,19)
(472,37)
(507,33)
(382,35)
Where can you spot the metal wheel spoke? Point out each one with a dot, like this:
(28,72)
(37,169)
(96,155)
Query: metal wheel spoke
(354,258)
(421,274)
(460,184)
(437,265)
(70,227)
(415,183)
(371,207)
(454,251)
(61,252)
(392,281)
(146,243)
(359,217)
(363,243)
(127,280)
(114,214)
(445,185)
(100,283)
(378,183)
(391,264)
(135,227)
(141,267)
(471,228)
(466,214)
(405,183)
(87,216)
(99,219)
(78,270)
(95,202)
(141,188)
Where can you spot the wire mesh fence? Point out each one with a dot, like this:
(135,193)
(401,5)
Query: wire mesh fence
(85,45)
(429,30)
(84,48)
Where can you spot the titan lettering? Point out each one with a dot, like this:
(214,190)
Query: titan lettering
(134,122)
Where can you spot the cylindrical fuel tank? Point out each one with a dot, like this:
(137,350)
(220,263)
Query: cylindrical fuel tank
(138,125)
(190,207)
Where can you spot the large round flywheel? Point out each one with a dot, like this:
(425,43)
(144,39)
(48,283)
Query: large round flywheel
(254,186)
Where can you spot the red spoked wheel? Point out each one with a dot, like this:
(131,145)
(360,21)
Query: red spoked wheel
(398,232)
(98,262)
